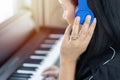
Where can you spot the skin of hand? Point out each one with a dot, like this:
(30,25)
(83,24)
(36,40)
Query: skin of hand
(51,71)
(72,49)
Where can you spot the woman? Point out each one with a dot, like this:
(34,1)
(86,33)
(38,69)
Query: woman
(99,57)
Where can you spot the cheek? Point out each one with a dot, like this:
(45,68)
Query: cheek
(68,16)
(65,14)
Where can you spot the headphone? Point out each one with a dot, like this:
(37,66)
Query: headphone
(82,10)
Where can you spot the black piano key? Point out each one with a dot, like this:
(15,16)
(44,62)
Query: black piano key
(55,39)
(40,48)
(17,78)
(33,61)
(21,75)
(28,68)
(40,55)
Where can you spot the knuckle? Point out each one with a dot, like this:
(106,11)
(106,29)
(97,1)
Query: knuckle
(90,34)
(93,25)
(75,22)
(87,22)
(83,33)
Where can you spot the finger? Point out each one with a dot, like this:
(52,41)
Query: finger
(67,33)
(76,26)
(87,23)
(52,68)
(50,73)
(91,30)
(84,30)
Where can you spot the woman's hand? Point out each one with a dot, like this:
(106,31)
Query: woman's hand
(51,73)
(76,43)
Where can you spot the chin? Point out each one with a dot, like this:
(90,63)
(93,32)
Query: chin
(69,22)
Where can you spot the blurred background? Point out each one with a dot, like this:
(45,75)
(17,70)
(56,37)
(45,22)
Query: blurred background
(30,36)
(43,12)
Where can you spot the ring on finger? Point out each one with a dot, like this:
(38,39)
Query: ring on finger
(74,37)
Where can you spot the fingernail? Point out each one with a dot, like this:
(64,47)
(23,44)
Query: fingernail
(78,19)
(95,20)
(89,16)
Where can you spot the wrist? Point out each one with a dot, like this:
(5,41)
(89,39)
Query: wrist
(67,70)
(67,61)
(69,57)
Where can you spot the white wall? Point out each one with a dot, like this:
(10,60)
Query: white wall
(14,32)
(53,14)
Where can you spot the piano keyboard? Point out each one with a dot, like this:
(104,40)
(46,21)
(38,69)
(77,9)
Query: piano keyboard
(44,56)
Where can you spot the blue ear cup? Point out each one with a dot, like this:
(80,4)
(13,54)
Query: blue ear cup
(82,10)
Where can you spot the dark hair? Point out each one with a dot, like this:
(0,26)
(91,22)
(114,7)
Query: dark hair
(75,2)
(106,34)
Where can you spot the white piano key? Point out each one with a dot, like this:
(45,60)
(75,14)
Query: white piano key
(41,52)
(46,45)
(37,57)
(25,72)
(50,59)
(55,35)
(30,65)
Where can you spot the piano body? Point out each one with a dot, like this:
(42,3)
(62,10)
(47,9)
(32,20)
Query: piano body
(27,50)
